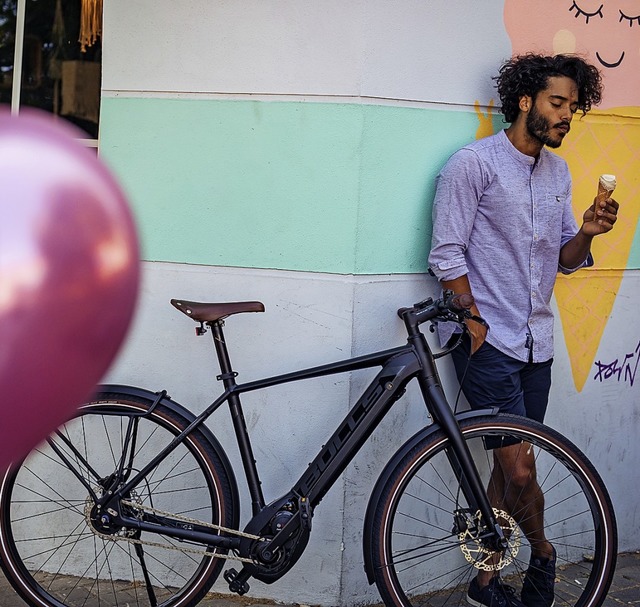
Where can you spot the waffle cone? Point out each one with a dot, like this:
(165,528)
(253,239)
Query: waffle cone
(606,185)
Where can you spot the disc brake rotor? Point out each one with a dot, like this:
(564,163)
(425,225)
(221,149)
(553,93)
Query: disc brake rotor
(477,553)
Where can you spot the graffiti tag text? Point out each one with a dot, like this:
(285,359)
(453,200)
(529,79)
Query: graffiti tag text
(624,370)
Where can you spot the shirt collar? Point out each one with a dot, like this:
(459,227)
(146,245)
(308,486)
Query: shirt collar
(515,153)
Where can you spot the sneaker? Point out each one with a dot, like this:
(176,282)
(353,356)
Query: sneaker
(537,588)
(496,594)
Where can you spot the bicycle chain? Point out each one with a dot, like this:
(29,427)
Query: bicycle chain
(89,505)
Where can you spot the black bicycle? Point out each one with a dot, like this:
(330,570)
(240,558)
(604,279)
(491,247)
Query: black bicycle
(133,502)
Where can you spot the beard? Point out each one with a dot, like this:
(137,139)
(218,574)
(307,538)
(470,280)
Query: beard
(539,129)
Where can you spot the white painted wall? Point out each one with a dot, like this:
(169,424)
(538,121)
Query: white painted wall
(379,49)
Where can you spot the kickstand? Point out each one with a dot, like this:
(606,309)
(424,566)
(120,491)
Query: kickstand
(153,601)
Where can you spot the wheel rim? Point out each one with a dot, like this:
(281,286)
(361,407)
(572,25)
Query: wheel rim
(422,558)
(54,554)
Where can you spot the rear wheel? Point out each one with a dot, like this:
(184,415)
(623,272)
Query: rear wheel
(427,543)
(58,550)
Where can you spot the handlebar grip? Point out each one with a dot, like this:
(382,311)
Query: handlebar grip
(460,303)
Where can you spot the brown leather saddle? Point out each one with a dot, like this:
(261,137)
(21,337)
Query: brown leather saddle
(211,312)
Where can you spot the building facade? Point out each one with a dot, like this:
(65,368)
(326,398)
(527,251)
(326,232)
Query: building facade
(286,151)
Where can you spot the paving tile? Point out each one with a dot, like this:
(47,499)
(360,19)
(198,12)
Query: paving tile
(625,590)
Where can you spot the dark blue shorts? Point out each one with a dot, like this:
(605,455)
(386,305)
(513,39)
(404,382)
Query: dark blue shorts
(494,379)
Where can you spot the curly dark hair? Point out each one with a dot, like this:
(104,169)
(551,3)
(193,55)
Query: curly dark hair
(529,74)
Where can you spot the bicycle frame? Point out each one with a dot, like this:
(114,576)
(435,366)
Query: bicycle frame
(399,366)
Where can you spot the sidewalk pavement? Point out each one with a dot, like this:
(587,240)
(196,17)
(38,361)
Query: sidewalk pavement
(625,590)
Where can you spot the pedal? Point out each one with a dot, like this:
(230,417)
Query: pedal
(237,581)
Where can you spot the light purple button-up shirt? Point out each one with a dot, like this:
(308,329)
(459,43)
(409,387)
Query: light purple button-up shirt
(501,217)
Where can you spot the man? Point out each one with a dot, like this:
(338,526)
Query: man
(502,228)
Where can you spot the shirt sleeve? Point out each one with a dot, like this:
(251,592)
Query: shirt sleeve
(569,230)
(459,187)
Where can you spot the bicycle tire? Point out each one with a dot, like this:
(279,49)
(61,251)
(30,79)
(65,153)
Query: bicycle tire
(418,554)
(52,554)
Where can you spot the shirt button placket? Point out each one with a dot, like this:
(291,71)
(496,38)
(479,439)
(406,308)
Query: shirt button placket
(534,279)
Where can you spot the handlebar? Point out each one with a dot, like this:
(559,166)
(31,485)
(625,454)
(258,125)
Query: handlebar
(449,307)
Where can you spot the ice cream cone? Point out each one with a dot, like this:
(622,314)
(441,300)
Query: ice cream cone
(606,185)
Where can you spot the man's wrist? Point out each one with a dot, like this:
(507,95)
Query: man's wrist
(587,238)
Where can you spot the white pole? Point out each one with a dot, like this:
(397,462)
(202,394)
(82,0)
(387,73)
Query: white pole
(17,57)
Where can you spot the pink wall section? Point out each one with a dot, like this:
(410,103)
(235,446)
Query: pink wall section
(605,141)
(607,34)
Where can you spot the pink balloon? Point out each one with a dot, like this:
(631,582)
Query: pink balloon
(69,272)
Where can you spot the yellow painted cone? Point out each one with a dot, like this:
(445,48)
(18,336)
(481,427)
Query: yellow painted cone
(599,142)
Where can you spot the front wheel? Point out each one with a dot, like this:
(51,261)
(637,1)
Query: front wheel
(427,544)
(55,548)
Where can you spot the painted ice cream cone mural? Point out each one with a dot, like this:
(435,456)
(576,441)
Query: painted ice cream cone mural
(607,140)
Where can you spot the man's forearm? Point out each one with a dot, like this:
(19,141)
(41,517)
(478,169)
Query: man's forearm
(477,331)
(574,252)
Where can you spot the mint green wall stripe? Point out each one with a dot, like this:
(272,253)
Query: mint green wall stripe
(289,185)
(402,151)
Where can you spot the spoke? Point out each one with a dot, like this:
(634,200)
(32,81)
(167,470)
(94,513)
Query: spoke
(177,476)
(79,538)
(63,502)
(451,496)
(133,573)
(430,554)
(169,568)
(182,490)
(74,543)
(62,508)
(114,459)
(56,460)
(140,447)
(73,453)
(98,571)
(151,481)
(557,483)
(431,505)
(459,573)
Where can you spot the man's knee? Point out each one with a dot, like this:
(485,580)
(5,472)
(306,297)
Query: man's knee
(518,466)
(522,477)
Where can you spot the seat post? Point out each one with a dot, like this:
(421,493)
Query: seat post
(222,353)
(228,375)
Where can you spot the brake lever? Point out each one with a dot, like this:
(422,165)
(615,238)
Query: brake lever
(475,318)
(459,318)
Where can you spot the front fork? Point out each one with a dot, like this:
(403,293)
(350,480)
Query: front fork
(458,454)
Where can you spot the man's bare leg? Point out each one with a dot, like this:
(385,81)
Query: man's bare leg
(513,487)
